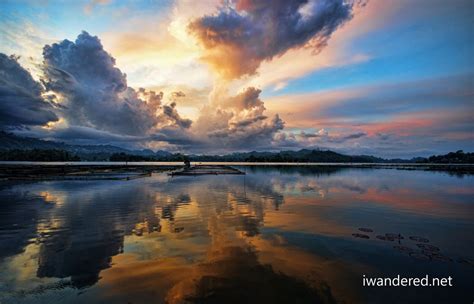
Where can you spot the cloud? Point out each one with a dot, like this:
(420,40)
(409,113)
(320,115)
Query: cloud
(383,136)
(98,103)
(320,133)
(178,94)
(169,112)
(355,106)
(348,141)
(354,135)
(85,135)
(319,138)
(21,101)
(237,122)
(152,49)
(248,99)
(152,98)
(245,33)
(403,119)
(248,121)
(95,94)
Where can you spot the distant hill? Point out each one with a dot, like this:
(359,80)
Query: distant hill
(13,147)
(458,157)
(304,155)
(10,142)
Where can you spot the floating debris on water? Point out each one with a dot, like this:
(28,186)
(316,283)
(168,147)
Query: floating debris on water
(138,231)
(419,256)
(394,236)
(427,247)
(438,256)
(419,239)
(428,252)
(360,235)
(385,238)
(404,248)
(466,261)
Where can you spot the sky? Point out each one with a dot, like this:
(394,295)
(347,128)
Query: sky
(386,78)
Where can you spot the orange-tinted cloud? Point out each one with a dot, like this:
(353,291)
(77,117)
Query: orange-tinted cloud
(237,40)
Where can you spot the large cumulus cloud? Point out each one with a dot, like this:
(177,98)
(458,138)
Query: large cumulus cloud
(95,94)
(246,32)
(238,122)
(21,101)
(91,102)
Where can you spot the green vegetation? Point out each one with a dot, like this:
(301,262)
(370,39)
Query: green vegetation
(17,148)
(123,157)
(10,141)
(283,156)
(37,155)
(300,156)
(458,157)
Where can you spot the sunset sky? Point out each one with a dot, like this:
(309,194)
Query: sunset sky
(387,78)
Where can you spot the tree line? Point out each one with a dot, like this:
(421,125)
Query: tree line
(300,156)
(37,155)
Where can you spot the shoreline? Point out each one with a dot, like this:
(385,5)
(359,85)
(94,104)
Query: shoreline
(164,163)
(122,171)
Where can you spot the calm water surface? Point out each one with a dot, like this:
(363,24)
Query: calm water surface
(275,235)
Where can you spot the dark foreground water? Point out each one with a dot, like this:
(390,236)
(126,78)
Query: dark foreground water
(276,235)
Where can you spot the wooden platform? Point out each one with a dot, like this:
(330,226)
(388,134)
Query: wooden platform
(78,172)
(206,170)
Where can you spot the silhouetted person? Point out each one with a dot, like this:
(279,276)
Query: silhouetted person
(187,164)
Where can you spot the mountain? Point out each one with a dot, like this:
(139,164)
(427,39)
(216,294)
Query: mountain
(458,157)
(303,155)
(13,147)
(9,142)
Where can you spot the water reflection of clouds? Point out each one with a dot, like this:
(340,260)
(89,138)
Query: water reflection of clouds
(77,236)
(190,231)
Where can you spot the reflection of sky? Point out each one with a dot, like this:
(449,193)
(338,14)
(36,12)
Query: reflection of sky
(182,236)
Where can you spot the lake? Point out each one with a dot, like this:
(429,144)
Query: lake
(275,235)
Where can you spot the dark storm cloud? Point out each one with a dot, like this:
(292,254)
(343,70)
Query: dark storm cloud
(246,32)
(21,103)
(87,61)
(310,135)
(95,92)
(178,138)
(85,134)
(354,135)
(170,112)
(327,138)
